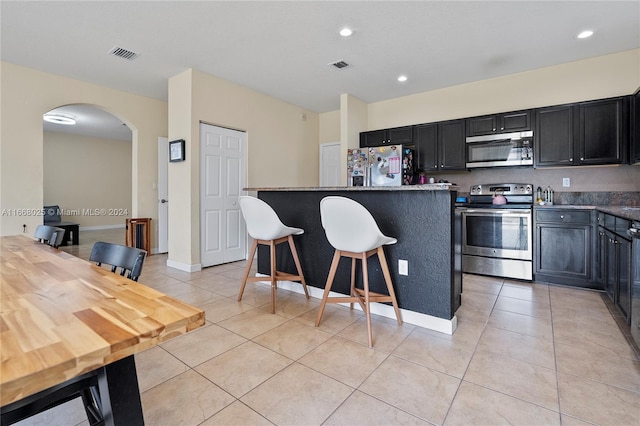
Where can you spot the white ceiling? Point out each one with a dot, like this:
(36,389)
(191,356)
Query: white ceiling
(283,48)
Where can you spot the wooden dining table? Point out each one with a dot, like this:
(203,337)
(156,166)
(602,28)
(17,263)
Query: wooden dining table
(62,317)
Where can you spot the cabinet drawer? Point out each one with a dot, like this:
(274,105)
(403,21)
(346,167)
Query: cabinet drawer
(564,216)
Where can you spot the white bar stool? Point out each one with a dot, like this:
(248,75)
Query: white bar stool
(353,232)
(264,226)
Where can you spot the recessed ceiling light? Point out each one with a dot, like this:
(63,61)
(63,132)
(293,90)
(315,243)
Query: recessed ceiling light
(346,32)
(402,78)
(67,120)
(585,34)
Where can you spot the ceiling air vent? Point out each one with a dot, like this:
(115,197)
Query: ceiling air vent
(340,65)
(123,53)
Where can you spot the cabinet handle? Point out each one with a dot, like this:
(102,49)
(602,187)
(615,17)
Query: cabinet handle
(561,216)
(501,128)
(615,241)
(570,159)
(581,158)
(441,165)
(435,166)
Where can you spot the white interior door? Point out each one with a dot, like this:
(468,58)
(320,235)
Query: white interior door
(163,191)
(330,164)
(222,177)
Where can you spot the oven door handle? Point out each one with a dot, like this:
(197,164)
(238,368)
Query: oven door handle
(490,212)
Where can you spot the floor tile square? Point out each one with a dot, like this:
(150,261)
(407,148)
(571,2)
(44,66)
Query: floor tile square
(420,391)
(296,396)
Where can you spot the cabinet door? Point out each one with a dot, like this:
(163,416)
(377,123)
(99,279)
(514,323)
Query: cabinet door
(564,250)
(373,138)
(426,145)
(623,299)
(451,141)
(611,266)
(603,137)
(601,256)
(401,135)
(484,125)
(517,121)
(553,136)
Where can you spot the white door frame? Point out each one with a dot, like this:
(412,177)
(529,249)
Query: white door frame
(163,190)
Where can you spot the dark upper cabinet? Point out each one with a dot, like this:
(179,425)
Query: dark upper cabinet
(440,146)
(426,146)
(516,121)
(635,128)
(553,136)
(585,133)
(603,128)
(394,136)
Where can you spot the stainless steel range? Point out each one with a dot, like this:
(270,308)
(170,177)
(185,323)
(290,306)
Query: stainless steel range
(497,230)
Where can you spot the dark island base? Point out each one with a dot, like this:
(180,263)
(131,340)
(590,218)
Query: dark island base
(428,238)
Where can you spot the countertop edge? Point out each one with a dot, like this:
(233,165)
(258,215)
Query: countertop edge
(425,187)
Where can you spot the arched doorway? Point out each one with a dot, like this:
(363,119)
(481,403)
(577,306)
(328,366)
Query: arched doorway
(87,171)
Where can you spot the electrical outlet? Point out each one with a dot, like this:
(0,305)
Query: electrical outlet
(566,182)
(403,267)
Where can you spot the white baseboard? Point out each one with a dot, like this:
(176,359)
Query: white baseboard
(101,227)
(416,318)
(184,266)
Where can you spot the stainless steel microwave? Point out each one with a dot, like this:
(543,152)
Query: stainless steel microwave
(505,149)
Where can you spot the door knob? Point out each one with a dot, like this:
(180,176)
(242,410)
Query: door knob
(164,201)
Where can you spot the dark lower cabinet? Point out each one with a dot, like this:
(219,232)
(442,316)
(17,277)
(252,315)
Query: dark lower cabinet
(614,261)
(563,247)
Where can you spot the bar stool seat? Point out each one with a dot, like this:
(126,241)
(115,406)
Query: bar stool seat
(265,227)
(353,232)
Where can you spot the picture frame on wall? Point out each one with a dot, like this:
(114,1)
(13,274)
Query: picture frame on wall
(176,150)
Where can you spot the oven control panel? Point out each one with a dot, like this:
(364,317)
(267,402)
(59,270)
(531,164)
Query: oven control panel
(502,188)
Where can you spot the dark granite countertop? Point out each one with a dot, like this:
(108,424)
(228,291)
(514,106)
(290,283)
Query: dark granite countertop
(626,212)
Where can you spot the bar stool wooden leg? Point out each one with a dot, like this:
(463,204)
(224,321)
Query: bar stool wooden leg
(254,246)
(367,304)
(387,279)
(274,281)
(296,260)
(327,287)
(352,292)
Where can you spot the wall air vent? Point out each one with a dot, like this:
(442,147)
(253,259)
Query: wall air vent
(123,53)
(340,65)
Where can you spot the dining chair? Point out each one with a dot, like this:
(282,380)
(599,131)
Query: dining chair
(354,233)
(128,259)
(265,227)
(49,235)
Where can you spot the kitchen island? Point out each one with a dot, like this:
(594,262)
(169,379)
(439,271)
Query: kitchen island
(421,217)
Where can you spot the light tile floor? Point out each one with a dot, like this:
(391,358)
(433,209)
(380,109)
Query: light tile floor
(523,354)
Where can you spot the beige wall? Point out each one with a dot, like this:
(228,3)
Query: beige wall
(601,77)
(26,95)
(329,127)
(595,78)
(89,178)
(282,147)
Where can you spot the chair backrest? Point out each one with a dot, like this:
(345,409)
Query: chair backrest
(128,259)
(349,226)
(57,237)
(262,221)
(52,214)
(49,235)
